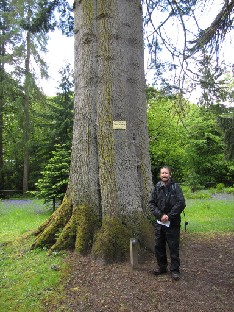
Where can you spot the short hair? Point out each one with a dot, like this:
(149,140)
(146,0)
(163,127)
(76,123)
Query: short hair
(166,167)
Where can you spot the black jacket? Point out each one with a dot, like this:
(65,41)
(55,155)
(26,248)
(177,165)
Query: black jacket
(169,200)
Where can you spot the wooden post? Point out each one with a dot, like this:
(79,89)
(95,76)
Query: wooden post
(133,252)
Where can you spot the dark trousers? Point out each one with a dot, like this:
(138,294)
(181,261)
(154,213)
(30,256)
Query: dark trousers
(171,237)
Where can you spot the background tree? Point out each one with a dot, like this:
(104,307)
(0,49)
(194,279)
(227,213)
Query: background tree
(24,26)
(225,119)
(19,42)
(204,149)
(12,134)
(190,140)
(29,48)
(8,36)
(53,184)
(226,122)
(167,133)
(62,108)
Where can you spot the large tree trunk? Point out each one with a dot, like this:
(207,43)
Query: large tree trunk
(110,175)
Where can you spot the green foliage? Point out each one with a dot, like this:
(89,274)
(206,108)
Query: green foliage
(187,138)
(204,149)
(53,183)
(47,19)
(12,134)
(197,195)
(48,121)
(226,123)
(229,190)
(213,85)
(220,187)
(166,132)
(21,48)
(62,109)
(53,123)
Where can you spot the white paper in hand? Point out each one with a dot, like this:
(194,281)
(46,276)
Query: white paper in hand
(167,223)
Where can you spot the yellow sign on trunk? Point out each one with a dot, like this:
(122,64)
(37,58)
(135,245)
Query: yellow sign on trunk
(120,124)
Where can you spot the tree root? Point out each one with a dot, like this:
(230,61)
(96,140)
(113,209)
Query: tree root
(46,233)
(69,227)
(77,227)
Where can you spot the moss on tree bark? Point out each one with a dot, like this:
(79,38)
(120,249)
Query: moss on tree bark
(110,177)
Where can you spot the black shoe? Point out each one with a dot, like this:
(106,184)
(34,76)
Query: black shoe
(175,275)
(160,271)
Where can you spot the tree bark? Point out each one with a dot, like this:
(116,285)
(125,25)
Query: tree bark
(110,168)
(26,109)
(2,74)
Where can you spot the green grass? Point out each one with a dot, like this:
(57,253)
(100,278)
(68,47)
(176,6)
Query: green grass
(28,277)
(209,215)
(20,216)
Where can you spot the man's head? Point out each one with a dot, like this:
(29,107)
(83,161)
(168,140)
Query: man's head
(165,174)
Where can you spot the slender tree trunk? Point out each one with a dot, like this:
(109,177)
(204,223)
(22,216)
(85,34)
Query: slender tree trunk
(26,127)
(1,124)
(2,74)
(110,169)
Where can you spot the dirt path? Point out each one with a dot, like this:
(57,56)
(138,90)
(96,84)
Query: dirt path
(206,283)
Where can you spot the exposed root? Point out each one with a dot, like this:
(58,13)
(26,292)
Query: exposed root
(77,227)
(66,239)
(69,227)
(48,230)
(88,225)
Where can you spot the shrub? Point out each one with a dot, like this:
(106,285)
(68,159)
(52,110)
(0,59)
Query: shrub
(229,190)
(220,187)
(53,184)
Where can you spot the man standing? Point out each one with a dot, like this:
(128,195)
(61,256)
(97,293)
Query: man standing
(166,203)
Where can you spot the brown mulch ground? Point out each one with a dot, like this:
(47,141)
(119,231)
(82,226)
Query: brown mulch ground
(206,283)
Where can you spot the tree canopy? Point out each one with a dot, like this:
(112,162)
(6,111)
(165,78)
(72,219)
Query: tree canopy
(174,54)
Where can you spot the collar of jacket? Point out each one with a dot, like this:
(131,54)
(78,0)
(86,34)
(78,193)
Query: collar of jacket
(162,184)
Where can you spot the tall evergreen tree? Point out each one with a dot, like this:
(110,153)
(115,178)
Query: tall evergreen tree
(24,26)
(33,41)
(54,146)
(8,36)
(110,170)
(63,108)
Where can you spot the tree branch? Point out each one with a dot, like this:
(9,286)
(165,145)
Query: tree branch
(221,23)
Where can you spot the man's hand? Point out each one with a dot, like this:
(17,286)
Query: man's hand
(164,218)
